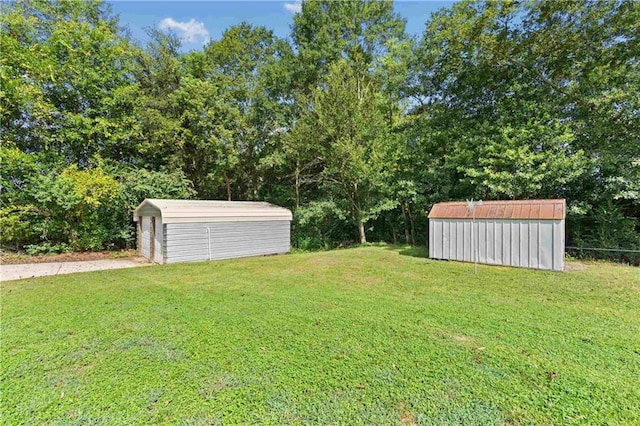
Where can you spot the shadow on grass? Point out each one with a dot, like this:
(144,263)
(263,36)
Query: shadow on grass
(413,251)
(401,249)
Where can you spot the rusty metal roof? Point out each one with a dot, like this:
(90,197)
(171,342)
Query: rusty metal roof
(519,209)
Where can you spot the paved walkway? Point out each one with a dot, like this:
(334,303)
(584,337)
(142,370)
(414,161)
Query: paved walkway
(29,270)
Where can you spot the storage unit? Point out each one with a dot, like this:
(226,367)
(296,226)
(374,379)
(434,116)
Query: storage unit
(171,231)
(528,233)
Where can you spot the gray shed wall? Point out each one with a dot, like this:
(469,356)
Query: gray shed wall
(189,242)
(523,243)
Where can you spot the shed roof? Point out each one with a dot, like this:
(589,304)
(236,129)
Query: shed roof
(518,209)
(175,211)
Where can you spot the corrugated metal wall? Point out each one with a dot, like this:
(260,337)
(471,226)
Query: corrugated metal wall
(145,240)
(158,241)
(187,242)
(524,243)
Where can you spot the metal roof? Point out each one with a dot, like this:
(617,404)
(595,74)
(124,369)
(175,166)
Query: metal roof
(175,211)
(518,209)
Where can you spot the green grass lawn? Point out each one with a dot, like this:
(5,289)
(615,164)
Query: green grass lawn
(372,335)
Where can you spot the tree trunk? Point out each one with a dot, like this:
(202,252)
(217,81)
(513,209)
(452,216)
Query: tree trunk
(228,183)
(297,184)
(407,232)
(413,227)
(254,183)
(363,237)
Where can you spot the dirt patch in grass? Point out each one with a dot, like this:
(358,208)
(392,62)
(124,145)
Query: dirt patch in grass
(574,266)
(461,338)
(324,261)
(406,417)
(369,280)
(14,259)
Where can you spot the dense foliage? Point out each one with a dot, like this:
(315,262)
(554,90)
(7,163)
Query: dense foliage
(352,124)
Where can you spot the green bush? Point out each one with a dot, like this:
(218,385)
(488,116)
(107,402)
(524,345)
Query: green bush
(47,248)
(69,205)
(134,186)
(49,210)
(605,227)
(320,225)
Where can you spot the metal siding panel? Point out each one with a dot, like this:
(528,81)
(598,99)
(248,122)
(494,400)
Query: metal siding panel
(524,244)
(210,219)
(446,242)
(431,238)
(437,239)
(158,257)
(505,258)
(490,239)
(546,244)
(481,241)
(164,243)
(440,241)
(146,236)
(553,243)
(520,243)
(562,243)
(467,241)
(497,240)
(460,240)
(490,244)
(453,240)
(515,243)
(533,244)
(228,240)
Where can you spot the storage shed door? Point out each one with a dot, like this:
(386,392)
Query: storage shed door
(157,241)
(146,236)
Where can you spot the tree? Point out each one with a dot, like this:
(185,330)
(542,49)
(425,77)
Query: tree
(250,64)
(515,97)
(353,131)
(68,208)
(158,74)
(67,86)
(205,139)
(325,31)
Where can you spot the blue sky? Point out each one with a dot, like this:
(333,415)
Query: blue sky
(199,21)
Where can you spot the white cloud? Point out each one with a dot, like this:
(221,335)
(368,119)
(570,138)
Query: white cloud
(295,7)
(190,31)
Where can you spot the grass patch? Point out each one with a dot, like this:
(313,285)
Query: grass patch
(368,335)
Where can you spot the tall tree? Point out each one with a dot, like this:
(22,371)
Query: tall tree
(510,93)
(67,86)
(158,74)
(353,131)
(250,64)
(325,31)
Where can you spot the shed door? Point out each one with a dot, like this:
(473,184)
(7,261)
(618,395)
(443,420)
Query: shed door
(146,236)
(157,241)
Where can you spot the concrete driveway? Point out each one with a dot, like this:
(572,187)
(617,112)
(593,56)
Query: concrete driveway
(29,270)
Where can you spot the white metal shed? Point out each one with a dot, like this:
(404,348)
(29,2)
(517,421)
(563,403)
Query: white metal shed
(171,231)
(527,233)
